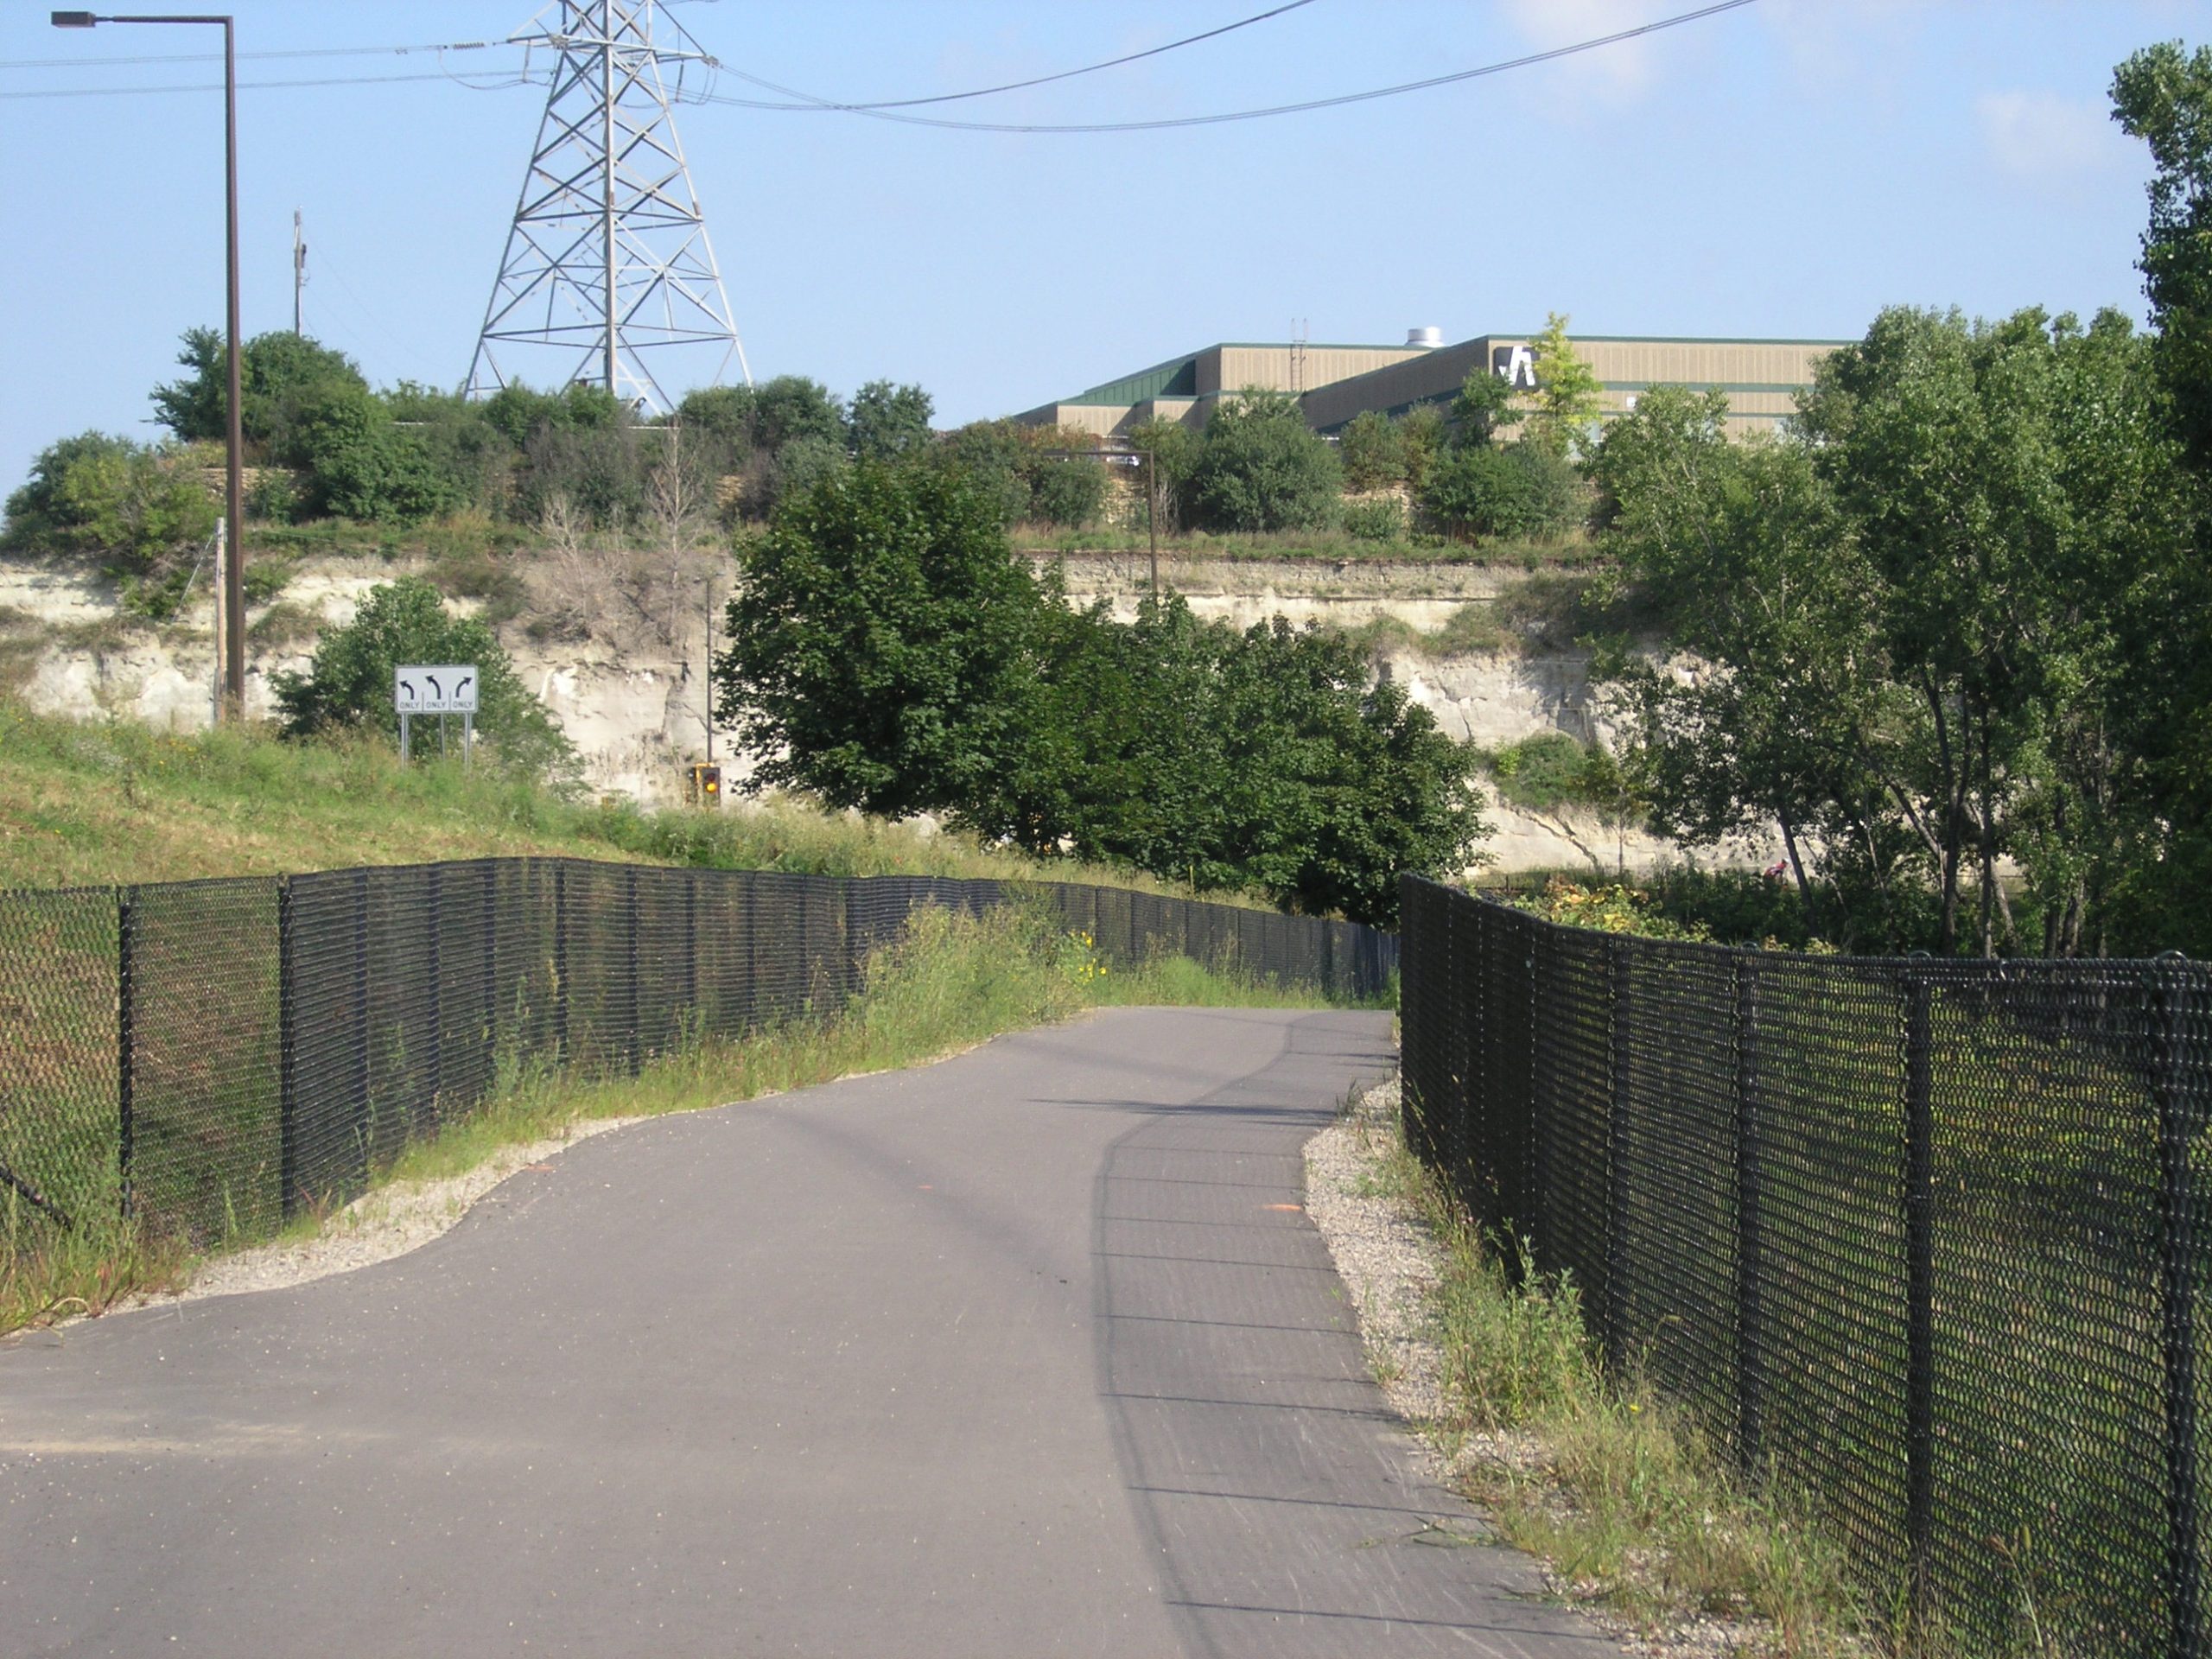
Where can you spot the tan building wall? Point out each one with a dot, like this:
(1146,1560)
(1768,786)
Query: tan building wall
(1760,377)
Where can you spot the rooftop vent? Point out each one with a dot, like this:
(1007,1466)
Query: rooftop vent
(1428,338)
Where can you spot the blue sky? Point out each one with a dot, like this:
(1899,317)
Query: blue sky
(1784,170)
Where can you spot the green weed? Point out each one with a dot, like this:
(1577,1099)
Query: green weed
(1597,1474)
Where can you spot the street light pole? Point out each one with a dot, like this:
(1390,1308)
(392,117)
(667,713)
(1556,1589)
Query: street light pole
(233,482)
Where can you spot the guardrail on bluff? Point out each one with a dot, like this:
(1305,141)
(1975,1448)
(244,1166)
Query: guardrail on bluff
(1918,1240)
(210,1056)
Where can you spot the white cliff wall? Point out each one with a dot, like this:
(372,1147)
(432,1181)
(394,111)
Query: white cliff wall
(637,720)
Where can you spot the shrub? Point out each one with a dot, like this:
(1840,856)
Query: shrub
(349,682)
(1480,492)
(1174,448)
(802,465)
(1381,519)
(888,421)
(274,496)
(1546,771)
(990,455)
(1522,490)
(135,511)
(1259,468)
(361,465)
(1373,447)
(1421,439)
(1067,494)
(280,375)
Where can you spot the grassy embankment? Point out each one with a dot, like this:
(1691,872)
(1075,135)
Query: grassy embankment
(950,982)
(91,804)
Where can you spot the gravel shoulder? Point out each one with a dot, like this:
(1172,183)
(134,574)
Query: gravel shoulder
(1390,1263)
(377,1226)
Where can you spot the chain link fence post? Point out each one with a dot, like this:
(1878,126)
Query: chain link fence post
(1915,995)
(126,911)
(2179,1114)
(434,969)
(560,1055)
(287,1060)
(1750,1334)
(1617,1152)
(631,976)
(489,1070)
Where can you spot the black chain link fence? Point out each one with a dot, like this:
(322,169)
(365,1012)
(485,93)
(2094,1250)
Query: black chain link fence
(1917,1238)
(209,1056)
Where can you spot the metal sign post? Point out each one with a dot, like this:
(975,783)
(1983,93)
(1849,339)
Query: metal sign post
(439,688)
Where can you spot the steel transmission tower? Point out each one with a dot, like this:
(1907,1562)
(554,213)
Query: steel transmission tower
(608,258)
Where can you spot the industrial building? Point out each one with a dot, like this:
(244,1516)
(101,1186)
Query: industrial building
(1334,383)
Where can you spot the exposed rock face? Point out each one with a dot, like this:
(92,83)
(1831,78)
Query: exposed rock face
(638,718)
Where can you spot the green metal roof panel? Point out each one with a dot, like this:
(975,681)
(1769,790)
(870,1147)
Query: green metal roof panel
(1176,378)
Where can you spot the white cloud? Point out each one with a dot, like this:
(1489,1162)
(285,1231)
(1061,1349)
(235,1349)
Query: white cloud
(2049,139)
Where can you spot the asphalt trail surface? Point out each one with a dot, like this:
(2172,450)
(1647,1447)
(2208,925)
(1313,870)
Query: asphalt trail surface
(1028,1353)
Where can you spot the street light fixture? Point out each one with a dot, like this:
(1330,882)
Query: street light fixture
(233,491)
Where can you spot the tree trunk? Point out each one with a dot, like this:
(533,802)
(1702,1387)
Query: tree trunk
(1796,864)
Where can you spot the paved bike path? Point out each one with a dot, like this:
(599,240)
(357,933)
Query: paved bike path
(1028,1353)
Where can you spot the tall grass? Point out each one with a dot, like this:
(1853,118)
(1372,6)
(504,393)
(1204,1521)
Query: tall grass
(95,804)
(1591,1469)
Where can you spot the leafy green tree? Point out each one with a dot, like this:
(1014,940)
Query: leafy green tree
(725,414)
(1739,549)
(1483,406)
(1566,396)
(1344,784)
(880,649)
(1174,451)
(1261,759)
(2163,96)
(1479,492)
(194,408)
(1421,435)
(1067,492)
(349,682)
(993,457)
(1521,490)
(1374,453)
(280,375)
(888,421)
(133,510)
(522,412)
(473,456)
(802,464)
(1946,619)
(1259,468)
(791,406)
(361,465)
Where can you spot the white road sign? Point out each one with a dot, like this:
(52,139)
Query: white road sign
(435,688)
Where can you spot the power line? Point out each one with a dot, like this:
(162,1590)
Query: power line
(517,77)
(470,46)
(809,103)
(217,57)
(1087,69)
(826,105)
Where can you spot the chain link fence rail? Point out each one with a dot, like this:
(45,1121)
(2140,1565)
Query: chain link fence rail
(1918,1239)
(210,1057)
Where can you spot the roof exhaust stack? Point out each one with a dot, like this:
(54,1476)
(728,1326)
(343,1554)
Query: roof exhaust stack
(1426,339)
